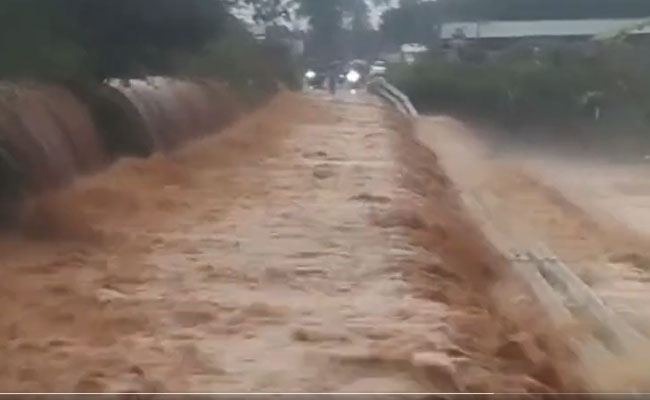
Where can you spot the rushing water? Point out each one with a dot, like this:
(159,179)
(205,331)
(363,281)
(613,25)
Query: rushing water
(48,136)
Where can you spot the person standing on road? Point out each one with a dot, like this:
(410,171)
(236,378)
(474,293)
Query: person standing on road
(332,76)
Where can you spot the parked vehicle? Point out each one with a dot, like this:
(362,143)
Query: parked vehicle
(378,68)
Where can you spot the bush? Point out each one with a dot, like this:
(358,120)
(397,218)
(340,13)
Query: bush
(442,87)
(547,90)
(253,70)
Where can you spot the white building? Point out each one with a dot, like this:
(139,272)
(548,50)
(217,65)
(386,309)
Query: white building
(584,28)
(410,52)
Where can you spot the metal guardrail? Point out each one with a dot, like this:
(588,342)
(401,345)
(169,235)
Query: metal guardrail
(380,87)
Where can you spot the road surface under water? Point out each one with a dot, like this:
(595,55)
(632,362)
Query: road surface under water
(314,246)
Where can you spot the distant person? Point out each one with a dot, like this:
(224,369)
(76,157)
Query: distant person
(593,101)
(332,77)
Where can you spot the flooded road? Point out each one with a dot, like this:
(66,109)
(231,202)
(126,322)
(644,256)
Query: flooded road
(575,216)
(313,247)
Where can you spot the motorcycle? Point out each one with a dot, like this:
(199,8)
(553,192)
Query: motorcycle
(314,80)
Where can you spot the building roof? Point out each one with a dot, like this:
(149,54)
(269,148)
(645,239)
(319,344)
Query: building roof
(562,28)
(413,48)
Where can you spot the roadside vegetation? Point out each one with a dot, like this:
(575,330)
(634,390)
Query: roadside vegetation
(595,92)
(521,88)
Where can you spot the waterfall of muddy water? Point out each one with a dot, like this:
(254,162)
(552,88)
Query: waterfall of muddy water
(186,100)
(124,129)
(48,137)
(225,109)
(26,157)
(74,119)
(140,94)
(133,95)
(48,134)
(37,122)
(199,106)
(170,117)
(176,111)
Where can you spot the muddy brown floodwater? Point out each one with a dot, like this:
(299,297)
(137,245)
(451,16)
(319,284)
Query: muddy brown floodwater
(592,216)
(314,246)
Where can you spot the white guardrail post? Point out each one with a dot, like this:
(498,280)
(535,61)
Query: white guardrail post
(380,87)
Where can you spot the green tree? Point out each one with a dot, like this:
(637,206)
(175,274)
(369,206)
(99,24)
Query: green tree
(96,39)
(265,11)
(412,22)
(339,28)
